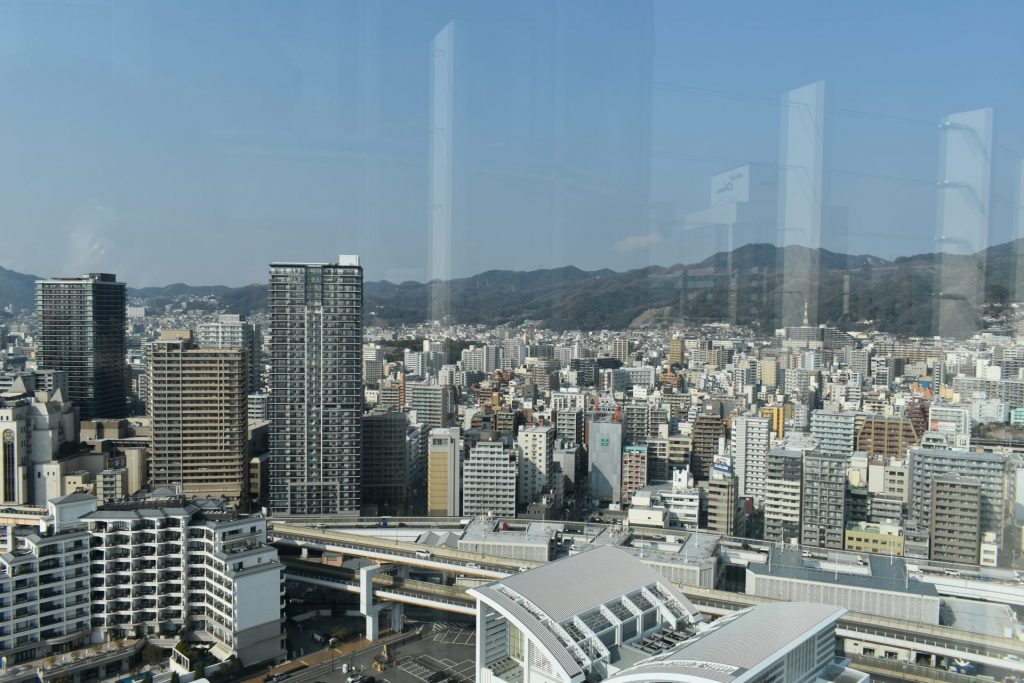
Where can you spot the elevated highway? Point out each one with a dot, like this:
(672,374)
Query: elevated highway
(924,639)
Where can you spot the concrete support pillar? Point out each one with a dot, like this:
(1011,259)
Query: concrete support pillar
(397,614)
(366,606)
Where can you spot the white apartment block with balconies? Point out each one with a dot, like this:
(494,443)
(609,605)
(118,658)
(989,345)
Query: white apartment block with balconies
(158,568)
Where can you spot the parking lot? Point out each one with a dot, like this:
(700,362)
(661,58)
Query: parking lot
(446,652)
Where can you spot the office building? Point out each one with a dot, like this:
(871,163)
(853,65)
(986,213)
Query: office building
(444,473)
(536,449)
(955,520)
(604,452)
(82,332)
(882,538)
(823,500)
(782,499)
(386,466)
(489,478)
(235,332)
(316,397)
(749,450)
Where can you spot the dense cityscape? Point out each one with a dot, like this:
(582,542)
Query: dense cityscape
(173,476)
(391,341)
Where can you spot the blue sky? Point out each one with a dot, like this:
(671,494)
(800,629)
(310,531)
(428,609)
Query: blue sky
(196,141)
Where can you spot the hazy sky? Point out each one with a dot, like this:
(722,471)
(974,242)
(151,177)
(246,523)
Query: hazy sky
(198,141)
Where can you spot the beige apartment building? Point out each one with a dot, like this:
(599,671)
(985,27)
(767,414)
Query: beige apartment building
(198,401)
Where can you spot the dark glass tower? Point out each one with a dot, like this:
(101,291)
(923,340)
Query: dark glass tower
(82,331)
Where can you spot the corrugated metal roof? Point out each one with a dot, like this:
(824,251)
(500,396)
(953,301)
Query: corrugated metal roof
(575,584)
(562,656)
(741,642)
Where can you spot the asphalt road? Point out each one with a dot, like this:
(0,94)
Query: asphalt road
(445,652)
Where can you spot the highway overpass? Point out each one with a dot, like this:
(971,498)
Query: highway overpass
(925,639)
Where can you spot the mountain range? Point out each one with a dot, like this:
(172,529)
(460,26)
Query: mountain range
(746,285)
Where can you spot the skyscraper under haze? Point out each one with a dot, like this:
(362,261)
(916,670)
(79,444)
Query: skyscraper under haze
(316,399)
(82,332)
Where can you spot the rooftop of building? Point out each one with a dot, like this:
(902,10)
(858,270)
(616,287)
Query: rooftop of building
(549,587)
(735,645)
(843,569)
(492,530)
(985,618)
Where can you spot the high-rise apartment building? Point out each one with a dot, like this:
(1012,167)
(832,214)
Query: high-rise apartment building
(636,420)
(316,398)
(782,495)
(634,471)
(569,424)
(432,403)
(749,450)
(82,332)
(373,363)
(991,470)
(823,500)
(955,534)
(887,437)
(723,505)
(835,432)
(622,349)
(489,478)
(198,405)
(536,449)
(234,332)
(676,351)
(444,473)
(484,359)
(707,430)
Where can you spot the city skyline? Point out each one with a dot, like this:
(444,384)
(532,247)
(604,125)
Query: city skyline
(288,137)
(630,340)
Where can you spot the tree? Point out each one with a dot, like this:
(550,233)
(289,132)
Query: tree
(153,655)
(340,632)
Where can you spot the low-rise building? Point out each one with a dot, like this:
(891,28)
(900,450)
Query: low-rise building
(867,537)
